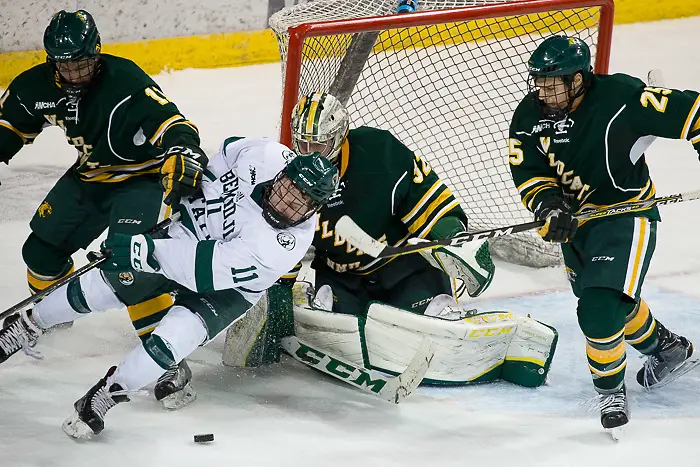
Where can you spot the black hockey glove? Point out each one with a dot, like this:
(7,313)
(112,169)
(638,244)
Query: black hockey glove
(181,173)
(560,223)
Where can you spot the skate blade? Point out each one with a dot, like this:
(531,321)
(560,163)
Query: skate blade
(74,427)
(684,368)
(180,399)
(616,433)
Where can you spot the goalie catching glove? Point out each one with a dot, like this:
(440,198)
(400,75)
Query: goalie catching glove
(181,173)
(560,224)
(126,252)
(470,262)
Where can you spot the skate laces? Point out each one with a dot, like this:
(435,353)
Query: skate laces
(614,402)
(102,401)
(650,365)
(21,334)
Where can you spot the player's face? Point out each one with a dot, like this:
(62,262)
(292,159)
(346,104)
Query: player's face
(304,147)
(553,91)
(289,201)
(77,71)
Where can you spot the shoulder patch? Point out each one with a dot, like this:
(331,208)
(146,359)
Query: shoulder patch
(287,240)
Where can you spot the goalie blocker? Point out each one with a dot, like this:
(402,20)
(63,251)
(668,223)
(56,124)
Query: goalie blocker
(470,347)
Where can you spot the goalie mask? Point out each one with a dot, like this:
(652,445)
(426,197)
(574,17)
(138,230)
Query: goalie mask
(320,124)
(299,191)
(560,72)
(72,45)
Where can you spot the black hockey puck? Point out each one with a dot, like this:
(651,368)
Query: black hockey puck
(207,438)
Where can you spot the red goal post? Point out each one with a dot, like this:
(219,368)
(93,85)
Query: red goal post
(444,81)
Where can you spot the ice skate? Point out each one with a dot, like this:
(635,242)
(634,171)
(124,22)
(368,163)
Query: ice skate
(19,333)
(671,360)
(173,388)
(614,412)
(90,410)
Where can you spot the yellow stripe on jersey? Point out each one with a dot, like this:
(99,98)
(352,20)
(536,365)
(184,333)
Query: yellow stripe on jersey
(164,126)
(421,201)
(25,136)
(426,230)
(110,177)
(534,181)
(429,210)
(123,167)
(693,112)
(530,197)
(344,157)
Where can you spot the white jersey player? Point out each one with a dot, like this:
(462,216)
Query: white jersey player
(253,221)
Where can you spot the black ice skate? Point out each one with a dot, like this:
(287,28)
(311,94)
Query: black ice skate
(669,362)
(173,388)
(19,333)
(90,410)
(614,413)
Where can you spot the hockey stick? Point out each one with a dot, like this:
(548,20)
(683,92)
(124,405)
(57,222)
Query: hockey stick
(100,258)
(390,388)
(354,235)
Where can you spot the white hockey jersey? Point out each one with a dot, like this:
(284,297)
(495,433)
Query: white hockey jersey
(222,241)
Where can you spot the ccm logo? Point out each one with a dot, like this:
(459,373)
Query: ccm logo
(128,221)
(602,258)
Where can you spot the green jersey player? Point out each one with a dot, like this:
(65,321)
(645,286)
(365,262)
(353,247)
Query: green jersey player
(134,150)
(577,142)
(394,195)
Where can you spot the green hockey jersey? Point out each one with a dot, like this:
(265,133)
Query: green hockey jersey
(119,127)
(596,154)
(392,193)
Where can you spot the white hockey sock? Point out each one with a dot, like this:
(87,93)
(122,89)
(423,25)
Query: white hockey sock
(93,294)
(136,370)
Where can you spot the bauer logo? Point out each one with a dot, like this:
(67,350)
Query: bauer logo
(287,240)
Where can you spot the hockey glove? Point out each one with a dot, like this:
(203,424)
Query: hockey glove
(181,173)
(560,223)
(128,252)
(469,262)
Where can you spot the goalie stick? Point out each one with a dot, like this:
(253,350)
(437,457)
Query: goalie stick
(390,388)
(354,235)
(99,259)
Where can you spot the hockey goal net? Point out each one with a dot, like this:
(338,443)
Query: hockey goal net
(445,80)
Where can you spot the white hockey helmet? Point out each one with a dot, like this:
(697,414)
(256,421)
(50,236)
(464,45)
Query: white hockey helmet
(320,124)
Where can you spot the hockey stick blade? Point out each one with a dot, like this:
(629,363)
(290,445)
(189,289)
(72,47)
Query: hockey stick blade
(99,259)
(390,388)
(357,237)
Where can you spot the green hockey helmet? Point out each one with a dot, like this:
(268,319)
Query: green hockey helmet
(299,190)
(560,57)
(72,45)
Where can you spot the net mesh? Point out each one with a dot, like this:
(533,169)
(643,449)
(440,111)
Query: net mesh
(447,91)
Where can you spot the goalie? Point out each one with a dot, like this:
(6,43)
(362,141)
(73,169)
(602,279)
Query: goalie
(395,196)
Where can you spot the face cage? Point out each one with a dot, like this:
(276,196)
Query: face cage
(75,75)
(285,205)
(305,145)
(555,113)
